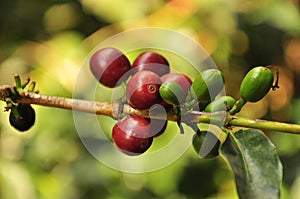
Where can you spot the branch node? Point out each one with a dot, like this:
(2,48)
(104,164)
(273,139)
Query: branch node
(117,109)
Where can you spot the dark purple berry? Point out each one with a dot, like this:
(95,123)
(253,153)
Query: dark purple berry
(109,66)
(153,62)
(26,119)
(131,135)
(142,90)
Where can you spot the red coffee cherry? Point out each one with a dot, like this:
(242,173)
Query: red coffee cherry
(142,90)
(182,80)
(131,135)
(108,65)
(153,62)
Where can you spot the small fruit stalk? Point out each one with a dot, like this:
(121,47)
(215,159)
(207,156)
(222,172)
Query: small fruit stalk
(255,85)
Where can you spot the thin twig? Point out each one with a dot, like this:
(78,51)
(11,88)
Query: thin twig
(112,109)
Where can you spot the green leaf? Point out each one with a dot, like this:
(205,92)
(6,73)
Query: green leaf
(255,164)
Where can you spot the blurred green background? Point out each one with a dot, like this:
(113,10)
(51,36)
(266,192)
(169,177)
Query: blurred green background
(49,40)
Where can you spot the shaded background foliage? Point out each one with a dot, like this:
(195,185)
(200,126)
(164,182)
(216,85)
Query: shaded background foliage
(48,39)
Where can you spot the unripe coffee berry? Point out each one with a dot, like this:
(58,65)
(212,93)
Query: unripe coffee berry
(220,104)
(181,79)
(256,84)
(110,66)
(206,144)
(208,84)
(172,93)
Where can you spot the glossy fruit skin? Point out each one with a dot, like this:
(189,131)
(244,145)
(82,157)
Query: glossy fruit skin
(220,104)
(110,66)
(207,85)
(132,136)
(26,120)
(157,127)
(172,93)
(142,90)
(181,79)
(256,84)
(151,61)
(206,144)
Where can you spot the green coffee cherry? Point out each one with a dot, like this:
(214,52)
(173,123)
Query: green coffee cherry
(171,93)
(221,104)
(206,144)
(207,85)
(256,84)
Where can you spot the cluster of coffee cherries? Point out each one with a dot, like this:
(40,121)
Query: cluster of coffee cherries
(150,83)
(144,78)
